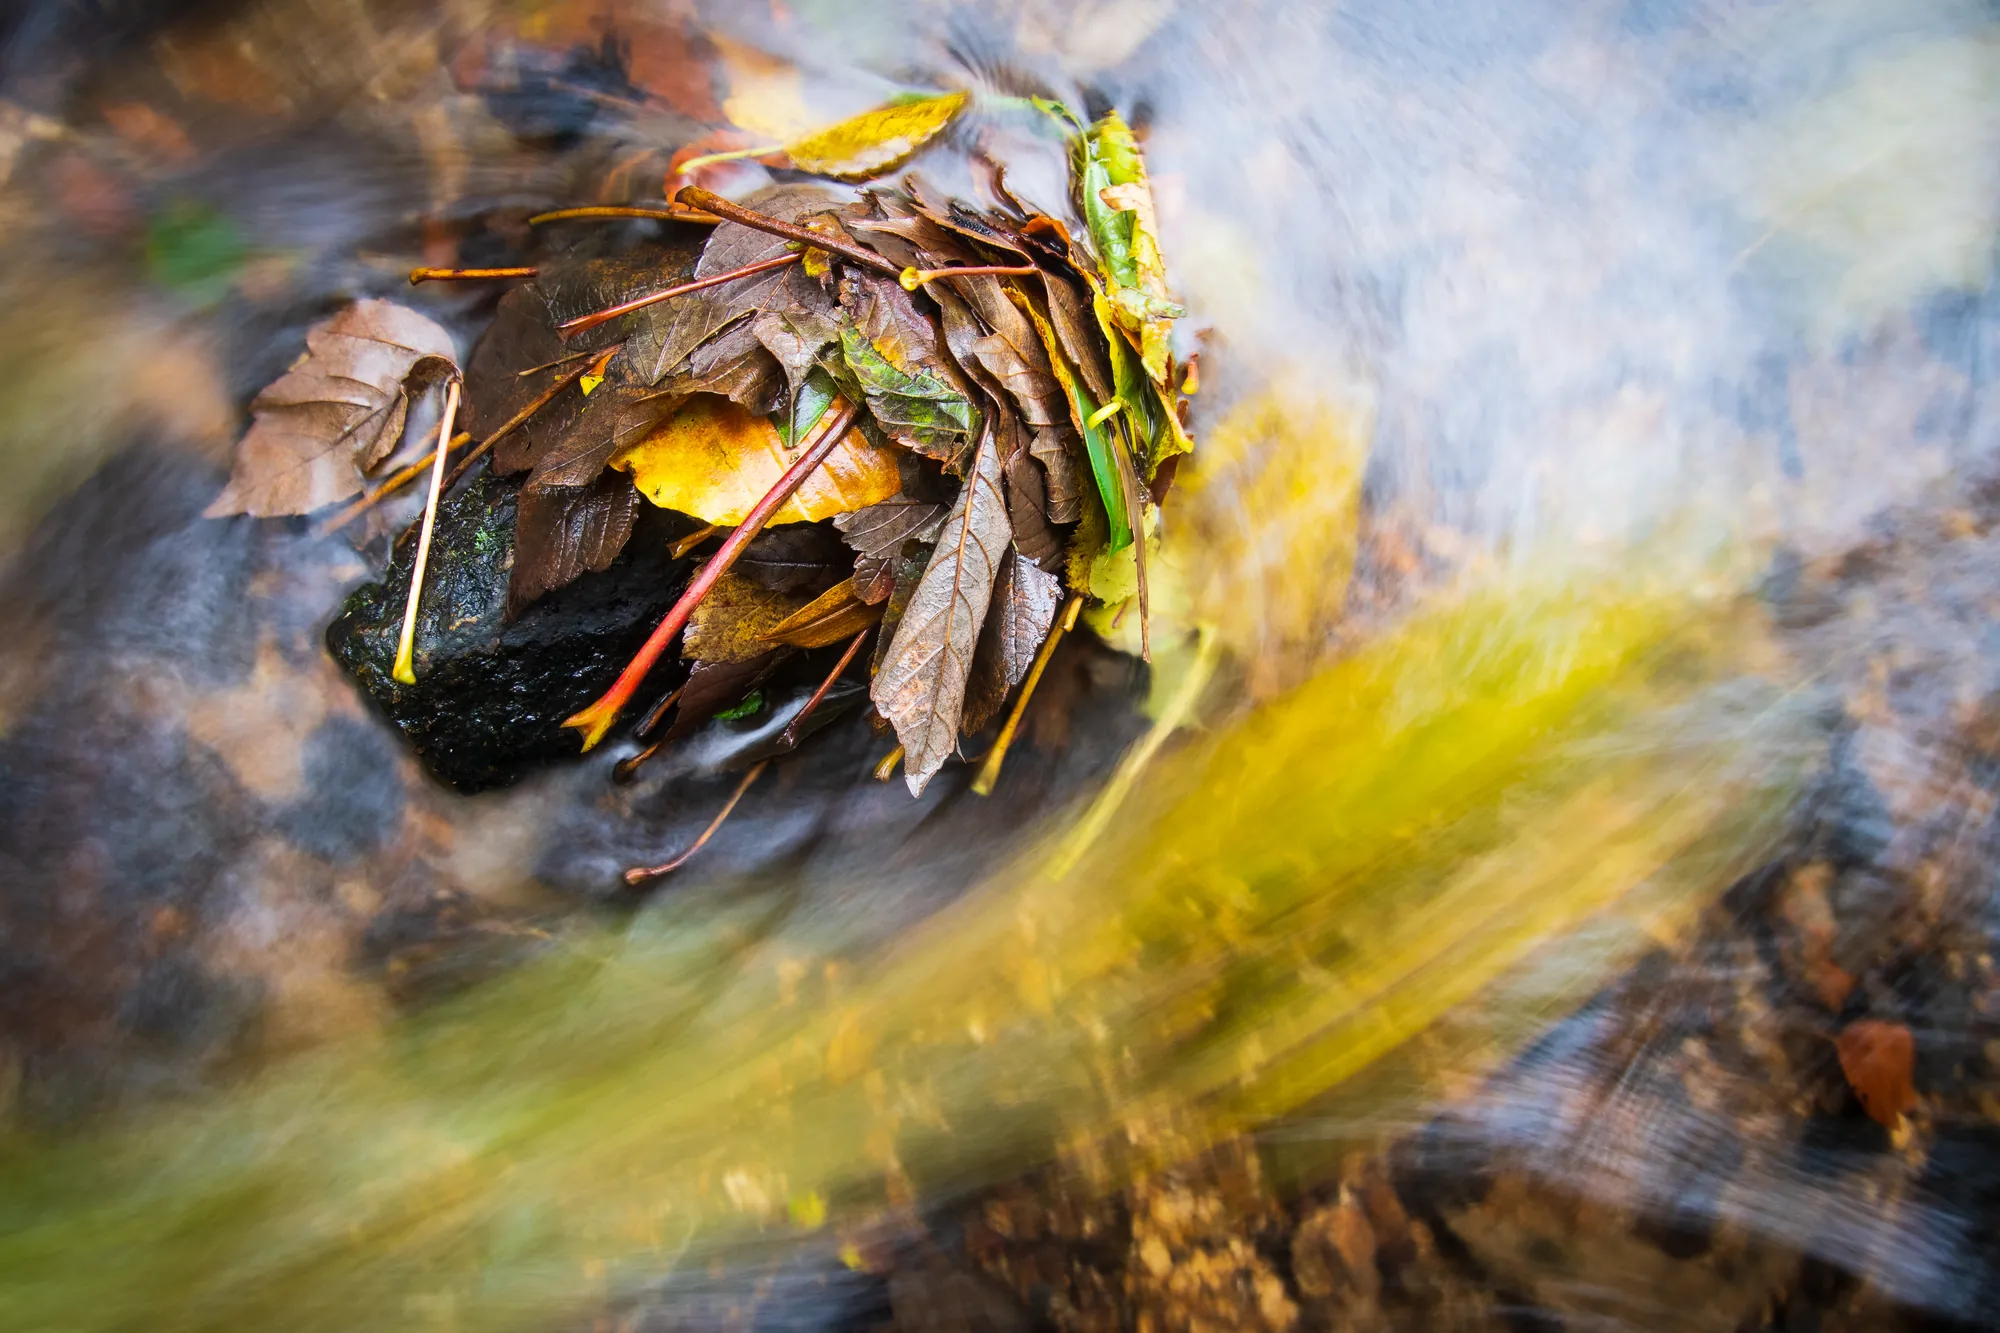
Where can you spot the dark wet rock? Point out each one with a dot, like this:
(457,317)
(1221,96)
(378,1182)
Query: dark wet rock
(491,694)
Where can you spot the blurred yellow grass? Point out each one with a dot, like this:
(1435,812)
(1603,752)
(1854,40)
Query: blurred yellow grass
(1279,907)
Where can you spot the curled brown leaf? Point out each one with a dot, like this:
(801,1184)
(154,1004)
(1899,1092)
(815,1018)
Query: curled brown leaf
(336,413)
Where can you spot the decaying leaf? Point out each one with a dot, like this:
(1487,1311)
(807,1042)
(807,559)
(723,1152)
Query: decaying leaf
(601,425)
(875,141)
(1879,1060)
(1025,600)
(336,413)
(1117,202)
(800,559)
(713,687)
(559,532)
(734,621)
(735,365)
(878,532)
(714,461)
(1097,442)
(665,335)
(1027,493)
(920,687)
(891,349)
(835,615)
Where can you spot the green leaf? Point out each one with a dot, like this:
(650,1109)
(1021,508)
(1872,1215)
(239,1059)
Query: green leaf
(752,702)
(1117,203)
(876,141)
(796,419)
(1097,444)
(916,406)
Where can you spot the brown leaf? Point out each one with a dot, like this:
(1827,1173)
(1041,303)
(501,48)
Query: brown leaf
(714,461)
(1025,600)
(573,286)
(834,616)
(733,621)
(606,421)
(1879,1060)
(801,559)
(561,531)
(902,572)
(1056,449)
(1027,494)
(1013,354)
(915,393)
(735,365)
(664,335)
(336,413)
(921,685)
(798,321)
(878,532)
(521,338)
(713,686)
(1075,323)
(1027,511)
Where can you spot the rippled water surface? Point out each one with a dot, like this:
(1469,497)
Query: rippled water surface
(1469,920)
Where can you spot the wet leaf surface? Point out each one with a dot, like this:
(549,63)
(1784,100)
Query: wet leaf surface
(733,623)
(1025,600)
(561,531)
(875,141)
(920,686)
(665,335)
(892,350)
(878,532)
(336,413)
(834,616)
(714,460)
(798,559)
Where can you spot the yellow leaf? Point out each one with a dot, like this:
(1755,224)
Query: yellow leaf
(731,622)
(875,141)
(714,460)
(835,615)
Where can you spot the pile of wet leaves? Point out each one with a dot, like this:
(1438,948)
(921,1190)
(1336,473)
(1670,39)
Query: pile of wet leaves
(775,432)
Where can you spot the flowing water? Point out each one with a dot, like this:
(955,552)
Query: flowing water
(1571,724)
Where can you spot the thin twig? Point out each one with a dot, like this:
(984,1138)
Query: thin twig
(418,275)
(640,874)
(913,277)
(551,365)
(390,485)
(692,540)
(790,737)
(694,164)
(627,769)
(605,316)
(597,719)
(547,396)
(611,211)
(405,668)
(989,772)
(659,710)
(707,200)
